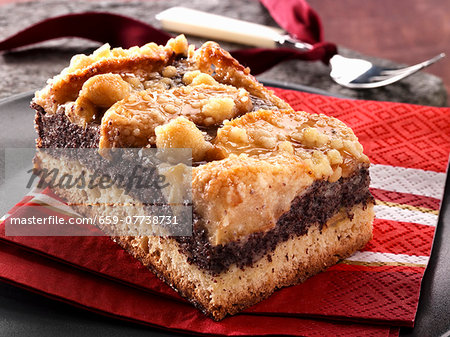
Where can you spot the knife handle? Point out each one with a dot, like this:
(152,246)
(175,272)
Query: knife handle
(217,27)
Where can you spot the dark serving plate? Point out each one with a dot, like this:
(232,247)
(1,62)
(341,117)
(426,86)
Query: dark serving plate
(23,313)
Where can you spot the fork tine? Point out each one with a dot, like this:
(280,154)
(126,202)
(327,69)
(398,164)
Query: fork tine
(382,80)
(399,73)
(393,72)
(388,79)
(416,67)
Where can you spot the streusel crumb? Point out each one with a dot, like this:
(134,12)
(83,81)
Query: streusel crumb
(182,133)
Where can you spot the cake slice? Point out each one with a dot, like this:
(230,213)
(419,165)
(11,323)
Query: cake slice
(277,195)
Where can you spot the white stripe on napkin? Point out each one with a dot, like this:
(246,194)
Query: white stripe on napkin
(405,215)
(407,180)
(50,201)
(373,257)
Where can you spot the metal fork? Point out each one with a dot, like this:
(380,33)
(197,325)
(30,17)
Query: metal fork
(362,74)
(348,72)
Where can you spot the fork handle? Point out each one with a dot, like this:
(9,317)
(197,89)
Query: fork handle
(212,26)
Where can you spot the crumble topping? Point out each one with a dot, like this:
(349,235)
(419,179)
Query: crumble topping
(150,67)
(131,122)
(182,133)
(325,144)
(98,93)
(138,61)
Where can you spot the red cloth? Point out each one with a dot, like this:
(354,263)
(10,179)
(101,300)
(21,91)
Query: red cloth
(414,140)
(125,32)
(297,18)
(87,291)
